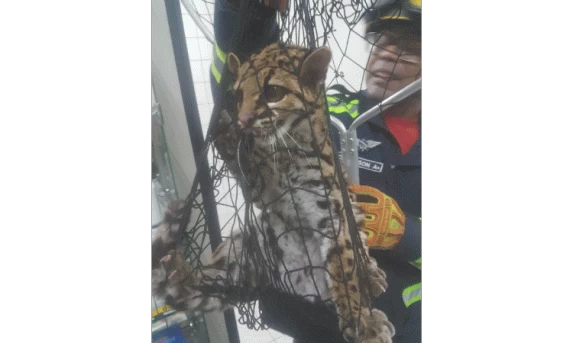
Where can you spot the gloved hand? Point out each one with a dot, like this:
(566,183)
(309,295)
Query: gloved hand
(385,221)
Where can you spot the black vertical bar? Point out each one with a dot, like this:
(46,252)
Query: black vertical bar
(175,20)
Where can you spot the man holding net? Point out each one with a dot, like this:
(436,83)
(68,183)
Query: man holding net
(389,159)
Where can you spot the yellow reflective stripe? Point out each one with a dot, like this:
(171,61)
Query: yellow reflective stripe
(161,310)
(400,17)
(417,263)
(353,102)
(417,3)
(215,72)
(341,109)
(351,108)
(335,101)
(412,294)
(218,63)
(337,109)
(222,56)
(332,100)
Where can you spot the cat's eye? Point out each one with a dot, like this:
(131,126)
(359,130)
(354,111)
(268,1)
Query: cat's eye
(274,93)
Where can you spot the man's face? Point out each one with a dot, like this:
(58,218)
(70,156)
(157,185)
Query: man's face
(395,62)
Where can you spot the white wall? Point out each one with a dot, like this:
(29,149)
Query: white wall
(352,46)
(349,49)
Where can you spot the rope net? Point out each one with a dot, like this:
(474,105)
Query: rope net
(236,175)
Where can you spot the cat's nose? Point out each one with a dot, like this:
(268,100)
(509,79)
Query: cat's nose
(245,118)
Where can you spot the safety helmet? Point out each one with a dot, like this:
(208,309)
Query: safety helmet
(387,12)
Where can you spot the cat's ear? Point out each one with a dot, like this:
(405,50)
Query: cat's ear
(315,66)
(233,64)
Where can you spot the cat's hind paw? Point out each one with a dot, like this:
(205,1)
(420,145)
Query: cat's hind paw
(374,328)
(377,278)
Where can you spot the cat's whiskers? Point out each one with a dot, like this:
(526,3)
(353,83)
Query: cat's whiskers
(277,132)
(272,142)
(275,153)
(272,139)
(295,142)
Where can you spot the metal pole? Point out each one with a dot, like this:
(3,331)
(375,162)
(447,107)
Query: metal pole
(400,95)
(349,138)
(176,29)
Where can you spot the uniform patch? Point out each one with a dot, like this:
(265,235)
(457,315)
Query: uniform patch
(370,165)
(367,144)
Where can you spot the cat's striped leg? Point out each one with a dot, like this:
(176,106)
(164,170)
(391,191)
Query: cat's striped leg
(168,234)
(357,322)
(205,290)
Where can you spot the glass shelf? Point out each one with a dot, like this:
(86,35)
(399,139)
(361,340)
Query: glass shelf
(191,326)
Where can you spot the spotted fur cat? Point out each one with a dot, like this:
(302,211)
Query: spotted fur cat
(281,149)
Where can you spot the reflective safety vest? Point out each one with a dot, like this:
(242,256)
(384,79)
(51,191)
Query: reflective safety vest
(218,62)
(412,294)
(336,106)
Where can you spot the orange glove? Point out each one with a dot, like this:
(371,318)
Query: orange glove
(385,221)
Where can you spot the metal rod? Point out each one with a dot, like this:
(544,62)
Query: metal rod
(387,103)
(338,124)
(351,157)
(192,10)
(349,138)
(175,21)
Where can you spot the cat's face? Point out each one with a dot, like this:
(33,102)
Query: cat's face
(276,87)
(266,100)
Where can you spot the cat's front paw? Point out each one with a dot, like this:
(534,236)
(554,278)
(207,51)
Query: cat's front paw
(172,275)
(176,269)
